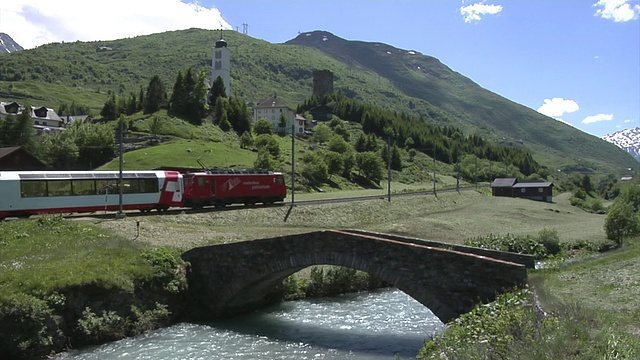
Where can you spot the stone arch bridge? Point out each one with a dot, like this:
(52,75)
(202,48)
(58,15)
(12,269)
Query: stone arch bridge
(449,279)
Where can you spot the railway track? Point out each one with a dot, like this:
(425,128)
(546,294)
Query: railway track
(181,211)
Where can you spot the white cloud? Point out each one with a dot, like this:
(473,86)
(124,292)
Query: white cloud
(597,118)
(35,22)
(564,121)
(628,121)
(475,12)
(557,107)
(617,10)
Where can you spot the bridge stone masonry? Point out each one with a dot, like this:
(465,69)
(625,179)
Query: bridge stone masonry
(449,279)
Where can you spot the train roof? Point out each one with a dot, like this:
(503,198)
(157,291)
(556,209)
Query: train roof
(70,175)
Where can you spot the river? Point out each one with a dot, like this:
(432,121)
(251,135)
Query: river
(374,325)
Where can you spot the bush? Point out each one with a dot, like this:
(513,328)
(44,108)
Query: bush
(99,329)
(621,221)
(511,243)
(23,327)
(550,240)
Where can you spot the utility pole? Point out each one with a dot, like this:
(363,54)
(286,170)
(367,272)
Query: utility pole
(389,169)
(120,214)
(293,164)
(457,170)
(434,167)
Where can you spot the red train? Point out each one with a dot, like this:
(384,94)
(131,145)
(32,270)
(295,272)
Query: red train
(26,193)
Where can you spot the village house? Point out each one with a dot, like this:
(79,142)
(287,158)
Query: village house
(273,108)
(510,187)
(44,119)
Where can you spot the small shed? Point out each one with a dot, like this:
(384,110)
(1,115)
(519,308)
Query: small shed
(510,187)
(16,158)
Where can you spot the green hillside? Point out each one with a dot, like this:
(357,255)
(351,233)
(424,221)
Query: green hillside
(379,74)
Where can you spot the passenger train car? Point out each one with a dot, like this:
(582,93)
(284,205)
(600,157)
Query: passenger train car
(25,193)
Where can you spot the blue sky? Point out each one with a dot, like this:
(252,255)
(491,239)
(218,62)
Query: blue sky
(577,61)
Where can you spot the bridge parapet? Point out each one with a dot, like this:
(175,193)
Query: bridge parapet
(232,278)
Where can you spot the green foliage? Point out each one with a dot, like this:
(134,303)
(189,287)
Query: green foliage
(156,96)
(23,327)
(621,221)
(514,327)
(321,134)
(265,160)
(315,169)
(145,320)
(487,332)
(217,90)
(263,127)
(165,263)
(97,329)
(17,131)
(269,143)
(370,165)
(76,72)
(511,243)
(550,239)
(246,140)
(188,98)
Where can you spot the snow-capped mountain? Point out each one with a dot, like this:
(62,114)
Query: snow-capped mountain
(7,44)
(628,139)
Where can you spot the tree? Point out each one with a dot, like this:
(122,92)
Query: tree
(334,161)
(315,169)
(265,160)
(321,133)
(217,90)
(110,109)
(621,221)
(178,99)
(269,143)
(246,140)
(282,125)
(370,165)
(156,97)
(239,115)
(263,126)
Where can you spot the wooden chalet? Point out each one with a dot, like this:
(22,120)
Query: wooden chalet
(18,159)
(510,187)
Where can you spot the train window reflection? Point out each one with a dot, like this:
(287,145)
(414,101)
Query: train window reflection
(84,187)
(35,188)
(59,187)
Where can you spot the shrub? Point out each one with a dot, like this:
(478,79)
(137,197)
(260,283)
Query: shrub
(511,243)
(550,240)
(23,329)
(98,329)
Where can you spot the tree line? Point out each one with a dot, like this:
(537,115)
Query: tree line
(447,143)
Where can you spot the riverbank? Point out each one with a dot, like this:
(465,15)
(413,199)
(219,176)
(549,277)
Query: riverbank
(587,308)
(129,274)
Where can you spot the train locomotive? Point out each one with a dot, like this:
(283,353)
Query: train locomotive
(26,193)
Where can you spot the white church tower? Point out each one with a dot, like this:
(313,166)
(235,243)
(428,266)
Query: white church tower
(221,63)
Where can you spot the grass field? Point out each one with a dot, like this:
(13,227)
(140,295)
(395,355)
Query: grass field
(450,217)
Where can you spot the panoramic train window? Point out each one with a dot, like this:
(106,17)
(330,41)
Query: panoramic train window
(59,187)
(106,187)
(84,187)
(148,185)
(33,188)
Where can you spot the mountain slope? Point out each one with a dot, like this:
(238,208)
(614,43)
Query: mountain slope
(400,80)
(474,109)
(628,140)
(7,44)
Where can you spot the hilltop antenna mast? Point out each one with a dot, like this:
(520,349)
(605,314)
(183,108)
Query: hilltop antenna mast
(245,28)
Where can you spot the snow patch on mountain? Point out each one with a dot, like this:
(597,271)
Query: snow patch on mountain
(628,139)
